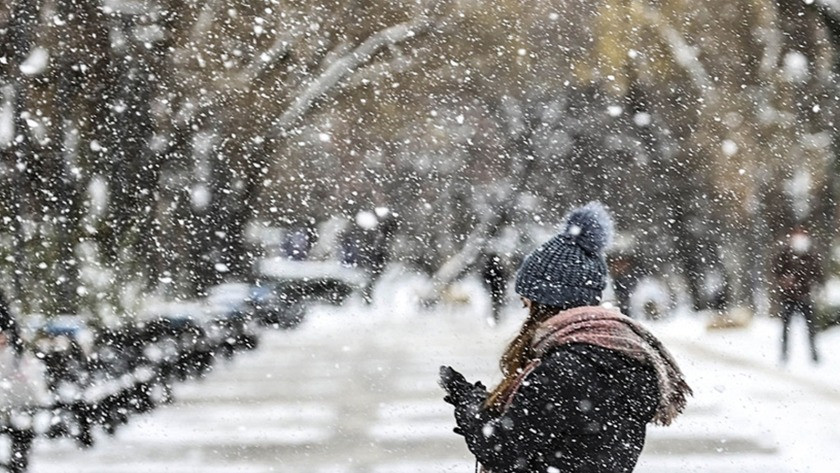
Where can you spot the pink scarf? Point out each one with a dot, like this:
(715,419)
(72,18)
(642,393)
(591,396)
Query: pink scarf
(611,330)
(614,331)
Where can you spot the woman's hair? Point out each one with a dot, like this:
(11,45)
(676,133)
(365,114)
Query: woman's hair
(519,352)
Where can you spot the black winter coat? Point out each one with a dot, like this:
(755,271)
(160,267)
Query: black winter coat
(796,272)
(584,409)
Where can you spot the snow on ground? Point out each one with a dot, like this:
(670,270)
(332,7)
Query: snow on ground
(749,409)
(354,390)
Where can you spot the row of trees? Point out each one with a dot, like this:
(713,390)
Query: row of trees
(139,139)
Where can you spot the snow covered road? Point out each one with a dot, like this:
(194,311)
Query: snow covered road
(354,390)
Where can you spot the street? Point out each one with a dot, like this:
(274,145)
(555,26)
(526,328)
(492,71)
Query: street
(354,390)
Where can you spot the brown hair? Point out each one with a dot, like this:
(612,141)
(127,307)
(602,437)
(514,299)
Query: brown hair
(518,353)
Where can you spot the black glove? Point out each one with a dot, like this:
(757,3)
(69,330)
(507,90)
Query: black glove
(467,398)
(458,389)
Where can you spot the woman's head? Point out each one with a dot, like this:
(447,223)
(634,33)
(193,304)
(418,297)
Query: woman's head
(569,270)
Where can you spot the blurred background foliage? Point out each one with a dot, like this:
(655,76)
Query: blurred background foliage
(140,138)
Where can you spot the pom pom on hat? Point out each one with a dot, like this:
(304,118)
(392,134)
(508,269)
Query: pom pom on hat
(590,227)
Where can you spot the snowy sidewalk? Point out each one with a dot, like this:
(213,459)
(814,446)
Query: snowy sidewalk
(354,391)
(750,413)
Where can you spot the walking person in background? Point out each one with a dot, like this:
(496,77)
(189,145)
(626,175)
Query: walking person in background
(796,269)
(495,279)
(298,241)
(367,245)
(379,252)
(581,382)
(624,270)
(9,328)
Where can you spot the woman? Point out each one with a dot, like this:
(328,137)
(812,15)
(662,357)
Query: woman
(580,381)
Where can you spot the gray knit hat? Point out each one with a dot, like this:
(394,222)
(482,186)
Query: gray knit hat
(569,270)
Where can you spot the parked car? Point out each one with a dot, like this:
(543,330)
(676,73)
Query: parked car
(274,306)
(64,343)
(116,350)
(234,296)
(179,339)
(324,281)
(231,329)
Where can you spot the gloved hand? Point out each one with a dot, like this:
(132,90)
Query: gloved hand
(458,389)
(467,398)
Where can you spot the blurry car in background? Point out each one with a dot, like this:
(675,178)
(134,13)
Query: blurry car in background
(315,281)
(64,343)
(274,306)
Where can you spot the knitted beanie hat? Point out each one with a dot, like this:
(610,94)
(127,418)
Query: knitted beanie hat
(569,270)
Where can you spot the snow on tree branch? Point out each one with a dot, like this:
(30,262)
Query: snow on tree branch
(684,54)
(204,21)
(400,63)
(346,65)
(279,49)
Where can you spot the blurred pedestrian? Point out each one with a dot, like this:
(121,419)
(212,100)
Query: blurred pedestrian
(581,382)
(625,273)
(9,327)
(380,248)
(797,268)
(298,241)
(368,245)
(495,279)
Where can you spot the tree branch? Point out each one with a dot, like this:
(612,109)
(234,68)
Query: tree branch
(400,63)
(279,49)
(477,240)
(684,54)
(346,65)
